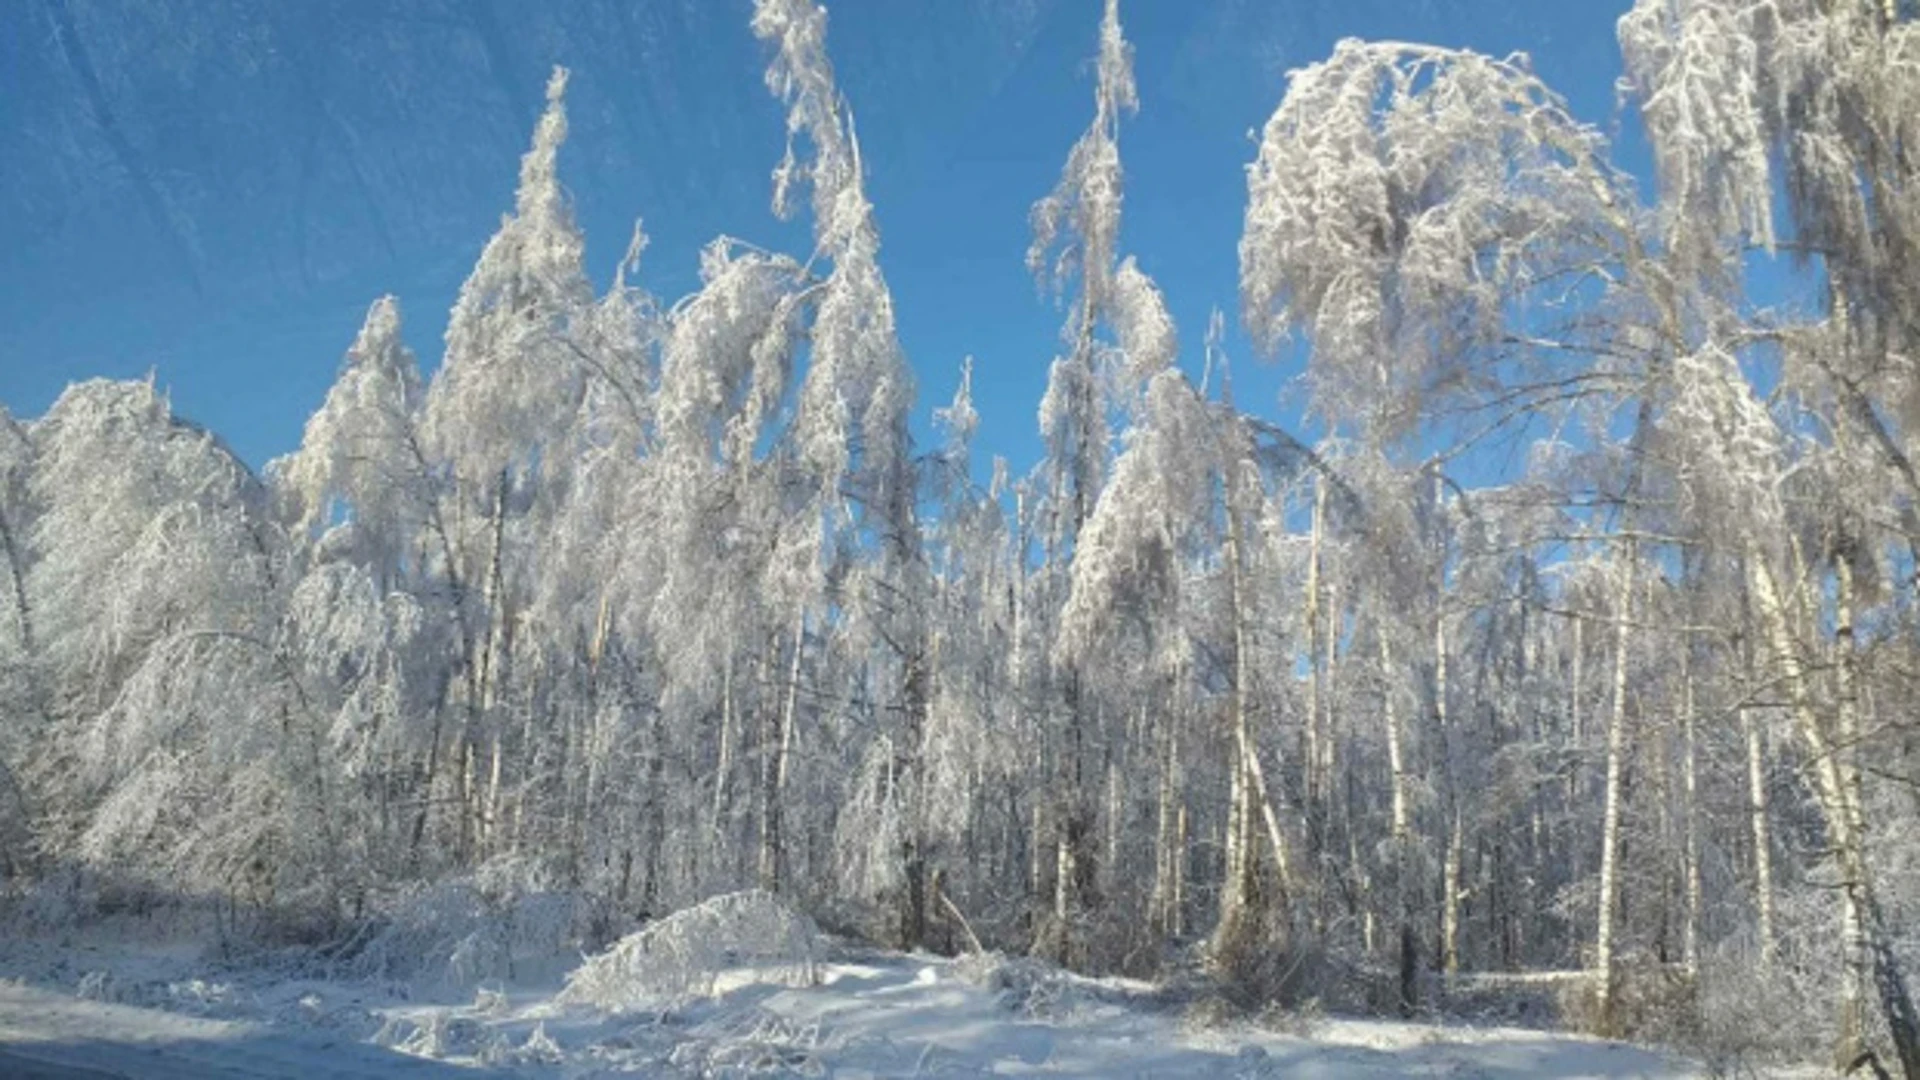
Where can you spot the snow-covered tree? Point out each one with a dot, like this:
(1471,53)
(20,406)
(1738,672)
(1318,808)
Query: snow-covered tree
(512,377)
(495,421)
(361,460)
(1406,200)
(1076,230)
(850,422)
(1801,116)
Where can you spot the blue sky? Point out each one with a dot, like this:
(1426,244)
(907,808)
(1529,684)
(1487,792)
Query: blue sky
(215,190)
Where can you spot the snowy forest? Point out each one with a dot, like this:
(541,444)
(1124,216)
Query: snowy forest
(1559,627)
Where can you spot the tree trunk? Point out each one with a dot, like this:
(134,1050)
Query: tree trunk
(1402,841)
(1450,863)
(1253,791)
(1690,815)
(653,822)
(23,614)
(909,766)
(1235,884)
(1316,780)
(725,765)
(1603,959)
(1576,686)
(773,766)
(1450,910)
(492,662)
(1179,904)
(1869,945)
(1111,861)
(457,586)
(1165,893)
(1869,954)
(1036,852)
(1757,818)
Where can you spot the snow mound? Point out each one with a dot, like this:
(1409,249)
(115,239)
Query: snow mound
(730,940)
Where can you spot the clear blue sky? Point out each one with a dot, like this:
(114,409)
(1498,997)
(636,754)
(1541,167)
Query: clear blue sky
(215,191)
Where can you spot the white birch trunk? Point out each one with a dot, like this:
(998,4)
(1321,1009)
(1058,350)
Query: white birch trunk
(492,660)
(1163,887)
(1761,829)
(1254,786)
(725,766)
(1450,913)
(1315,779)
(1690,817)
(1603,959)
(1853,919)
(1866,943)
(1450,865)
(1402,818)
(1179,926)
(778,748)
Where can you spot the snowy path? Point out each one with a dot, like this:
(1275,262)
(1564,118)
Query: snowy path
(56,1037)
(19,1068)
(879,1015)
(901,1016)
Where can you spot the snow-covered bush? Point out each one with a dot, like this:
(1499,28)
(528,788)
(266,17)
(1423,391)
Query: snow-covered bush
(753,1043)
(497,924)
(1022,985)
(684,956)
(1650,1002)
(1035,989)
(1754,1013)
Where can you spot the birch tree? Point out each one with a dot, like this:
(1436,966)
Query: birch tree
(1816,100)
(494,416)
(850,423)
(1076,231)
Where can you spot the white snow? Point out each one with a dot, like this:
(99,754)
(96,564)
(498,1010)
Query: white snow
(163,1014)
(43,1032)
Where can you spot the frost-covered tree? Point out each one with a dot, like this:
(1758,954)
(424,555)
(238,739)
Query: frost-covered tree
(1405,200)
(182,750)
(1801,116)
(512,378)
(1075,245)
(361,460)
(1462,261)
(728,576)
(17,683)
(850,423)
(16,458)
(495,420)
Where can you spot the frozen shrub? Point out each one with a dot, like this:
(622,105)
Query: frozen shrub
(1022,984)
(1754,1016)
(755,1043)
(497,924)
(539,1049)
(1652,1002)
(1262,959)
(1037,990)
(444,1036)
(98,986)
(684,955)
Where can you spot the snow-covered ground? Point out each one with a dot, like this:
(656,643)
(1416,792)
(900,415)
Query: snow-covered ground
(129,1012)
